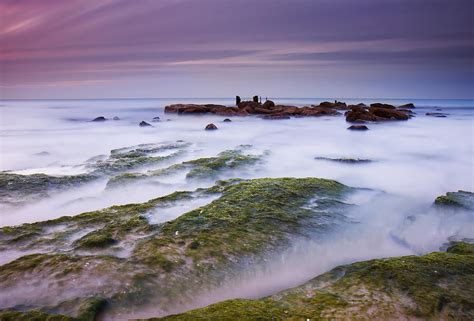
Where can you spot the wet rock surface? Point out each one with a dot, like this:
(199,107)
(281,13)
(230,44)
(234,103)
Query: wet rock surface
(177,257)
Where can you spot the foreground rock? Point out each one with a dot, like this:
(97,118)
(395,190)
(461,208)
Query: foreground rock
(167,263)
(144,124)
(99,119)
(435,286)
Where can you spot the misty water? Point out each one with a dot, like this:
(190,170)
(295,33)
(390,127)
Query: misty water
(412,162)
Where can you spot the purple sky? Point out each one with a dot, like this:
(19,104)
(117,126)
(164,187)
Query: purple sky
(220,48)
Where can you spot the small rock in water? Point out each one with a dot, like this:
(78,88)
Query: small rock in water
(227,120)
(156,119)
(211,127)
(276,116)
(100,118)
(407,106)
(116,118)
(441,115)
(144,124)
(358,127)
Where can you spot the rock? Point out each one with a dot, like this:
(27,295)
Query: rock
(345,160)
(318,111)
(407,106)
(99,119)
(380,105)
(249,105)
(459,199)
(255,99)
(155,119)
(358,127)
(144,124)
(336,104)
(439,115)
(227,120)
(211,127)
(268,104)
(360,115)
(116,118)
(276,116)
(388,113)
(237,100)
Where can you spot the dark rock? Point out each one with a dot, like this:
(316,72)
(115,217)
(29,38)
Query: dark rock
(358,127)
(407,106)
(388,113)
(211,127)
(360,115)
(255,99)
(268,104)
(439,115)
(336,105)
(380,105)
(237,100)
(144,124)
(116,118)
(276,116)
(193,245)
(156,119)
(345,160)
(227,120)
(99,119)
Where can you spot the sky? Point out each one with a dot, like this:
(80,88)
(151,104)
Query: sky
(55,49)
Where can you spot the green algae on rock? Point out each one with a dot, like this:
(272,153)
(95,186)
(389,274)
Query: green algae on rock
(17,188)
(171,261)
(459,199)
(201,168)
(435,286)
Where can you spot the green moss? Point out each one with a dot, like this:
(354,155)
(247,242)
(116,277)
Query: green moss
(461,248)
(433,286)
(96,239)
(459,199)
(32,316)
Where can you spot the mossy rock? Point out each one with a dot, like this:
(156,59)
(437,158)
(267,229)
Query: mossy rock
(459,199)
(436,286)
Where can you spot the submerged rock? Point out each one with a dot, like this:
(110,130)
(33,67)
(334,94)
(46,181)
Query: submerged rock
(459,199)
(429,287)
(17,189)
(210,127)
(407,106)
(144,124)
(227,120)
(116,118)
(358,127)
(345,160)
(439,115)
(99,119)
(156,119)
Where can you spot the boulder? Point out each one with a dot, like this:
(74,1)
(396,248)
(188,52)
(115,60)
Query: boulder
(237,100)
(99,119)
(227,120)
(389,113)
(268,104)
(144,124)
(255,99)
(380,105)
(211,127)
(116,118)
(360,115)
(156,119)
(358,127)
(407,106)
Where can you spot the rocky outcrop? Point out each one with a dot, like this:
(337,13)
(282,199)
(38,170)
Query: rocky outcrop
(99,119)
(459,199)
(376,112)
(428,287)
